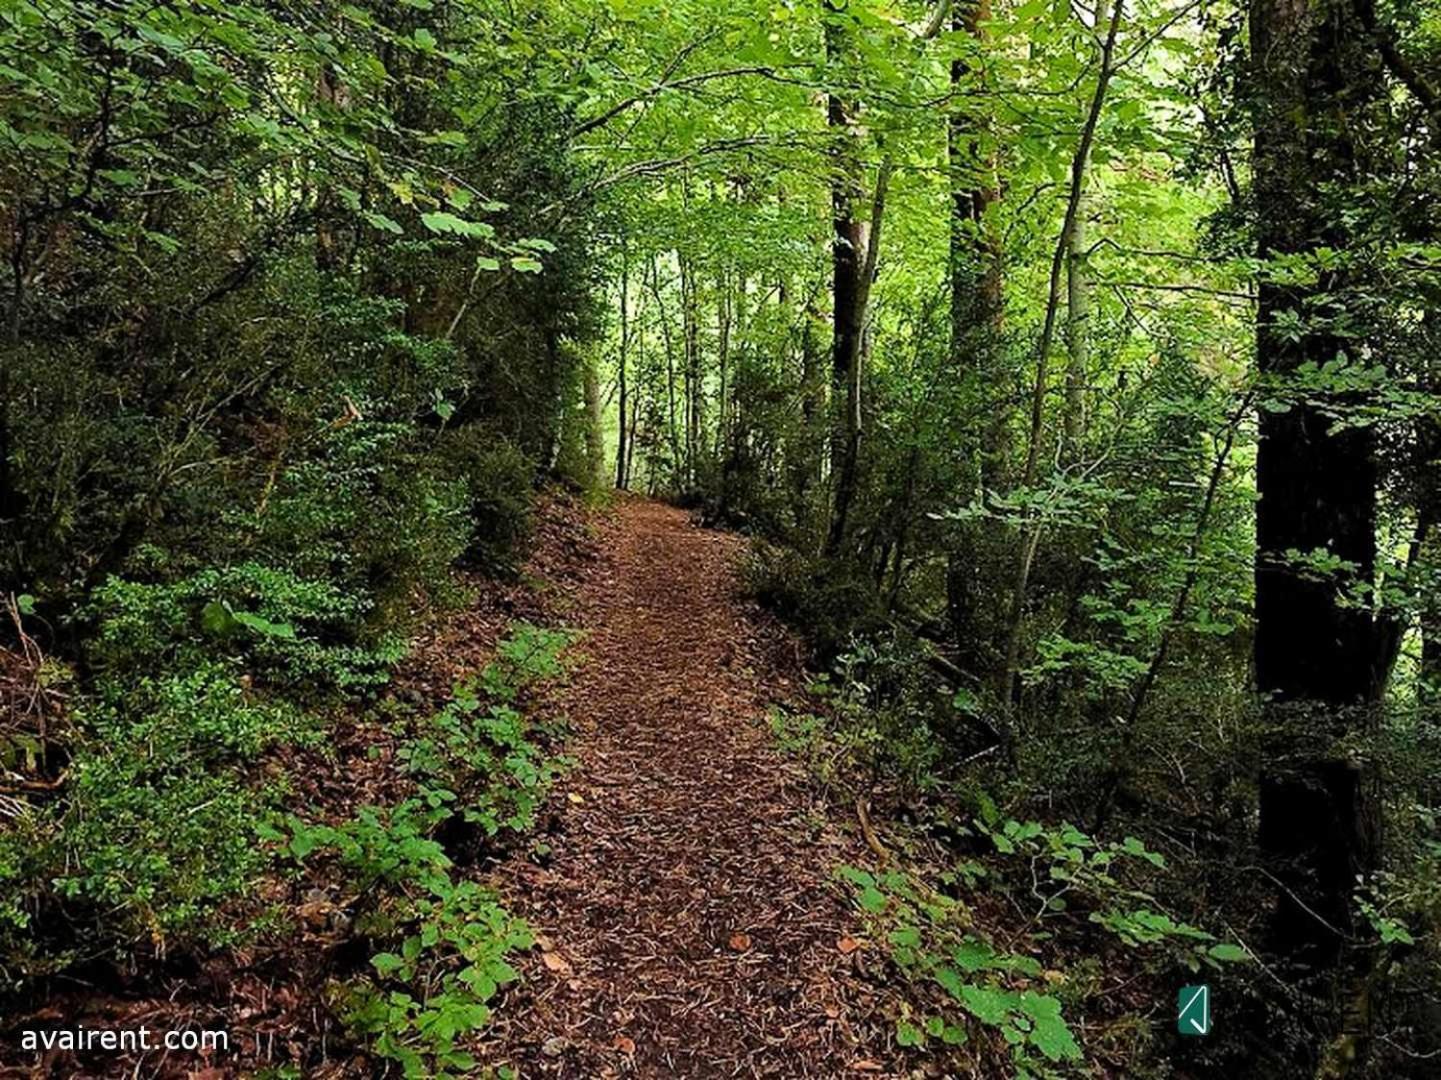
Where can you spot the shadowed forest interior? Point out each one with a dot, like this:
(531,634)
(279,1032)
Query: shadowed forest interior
(788,538)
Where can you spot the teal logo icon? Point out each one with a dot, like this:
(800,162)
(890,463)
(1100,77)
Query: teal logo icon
(1193,1010)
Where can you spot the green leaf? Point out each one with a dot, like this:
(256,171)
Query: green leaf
(1049,1033)
(1227,952)
(987,1004)
(386,963)
(120,177)
(439,221)
(380,221)
(216,619)
(907,1034)
(973,955)
(264,626)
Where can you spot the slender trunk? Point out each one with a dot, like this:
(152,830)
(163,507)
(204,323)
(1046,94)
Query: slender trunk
(621,446)
(1121,762)
(690,343)
(1032,535)
(630,450)
(677,458)
(806,457)
(975,269)
(846,481)
(640,387)
(594,433)
(723,347)
(849,241)
(1078,306)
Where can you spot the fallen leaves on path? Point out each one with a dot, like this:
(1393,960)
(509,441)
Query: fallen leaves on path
(681,823)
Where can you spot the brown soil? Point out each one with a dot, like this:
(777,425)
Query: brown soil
(688,922)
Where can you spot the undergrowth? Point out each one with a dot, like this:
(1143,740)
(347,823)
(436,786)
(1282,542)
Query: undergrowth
(440,941)
(978,913)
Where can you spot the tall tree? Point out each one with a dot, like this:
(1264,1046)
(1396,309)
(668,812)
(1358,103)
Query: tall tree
(850,237)
(1316,479)
(622,446)
(975,257)
(1078,297)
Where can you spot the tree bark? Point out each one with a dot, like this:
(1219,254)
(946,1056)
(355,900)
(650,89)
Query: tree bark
(1317,486)
(849,241)
(847,480)
(594,434)
(690,344)
(1078,306)
(723,348)
(975,269)
(621,445)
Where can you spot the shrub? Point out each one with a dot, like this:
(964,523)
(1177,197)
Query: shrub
(156,828)
(159,855)
(830,599)
(444,941)
(278,624)
(498,482)
(369,511)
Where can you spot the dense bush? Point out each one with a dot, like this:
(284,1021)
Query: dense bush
(497,479)
(253,411)
(832,600)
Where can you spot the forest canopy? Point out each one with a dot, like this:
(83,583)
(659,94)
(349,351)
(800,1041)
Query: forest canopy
(1070,369)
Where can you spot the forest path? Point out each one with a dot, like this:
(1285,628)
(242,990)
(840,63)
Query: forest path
(686,921)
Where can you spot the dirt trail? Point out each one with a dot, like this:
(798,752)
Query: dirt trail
(687,921)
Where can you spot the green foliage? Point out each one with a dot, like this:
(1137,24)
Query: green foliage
(885,716)
(925,933)
(450,937)
(833,602)
(436,988)
(285,627)
(466,754)
(379,845)
(480,757)
(373,509)
(1066,865)
(498,483)
(445,939)
(157,828)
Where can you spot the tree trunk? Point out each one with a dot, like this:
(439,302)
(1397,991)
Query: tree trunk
(1317,486)
(1031,537)
(1078,306)
(677,457)
(975,269)
(621,445)
(975,263)
(849,240)
(806,458)
(690,344)
(594,433)
(723,348)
